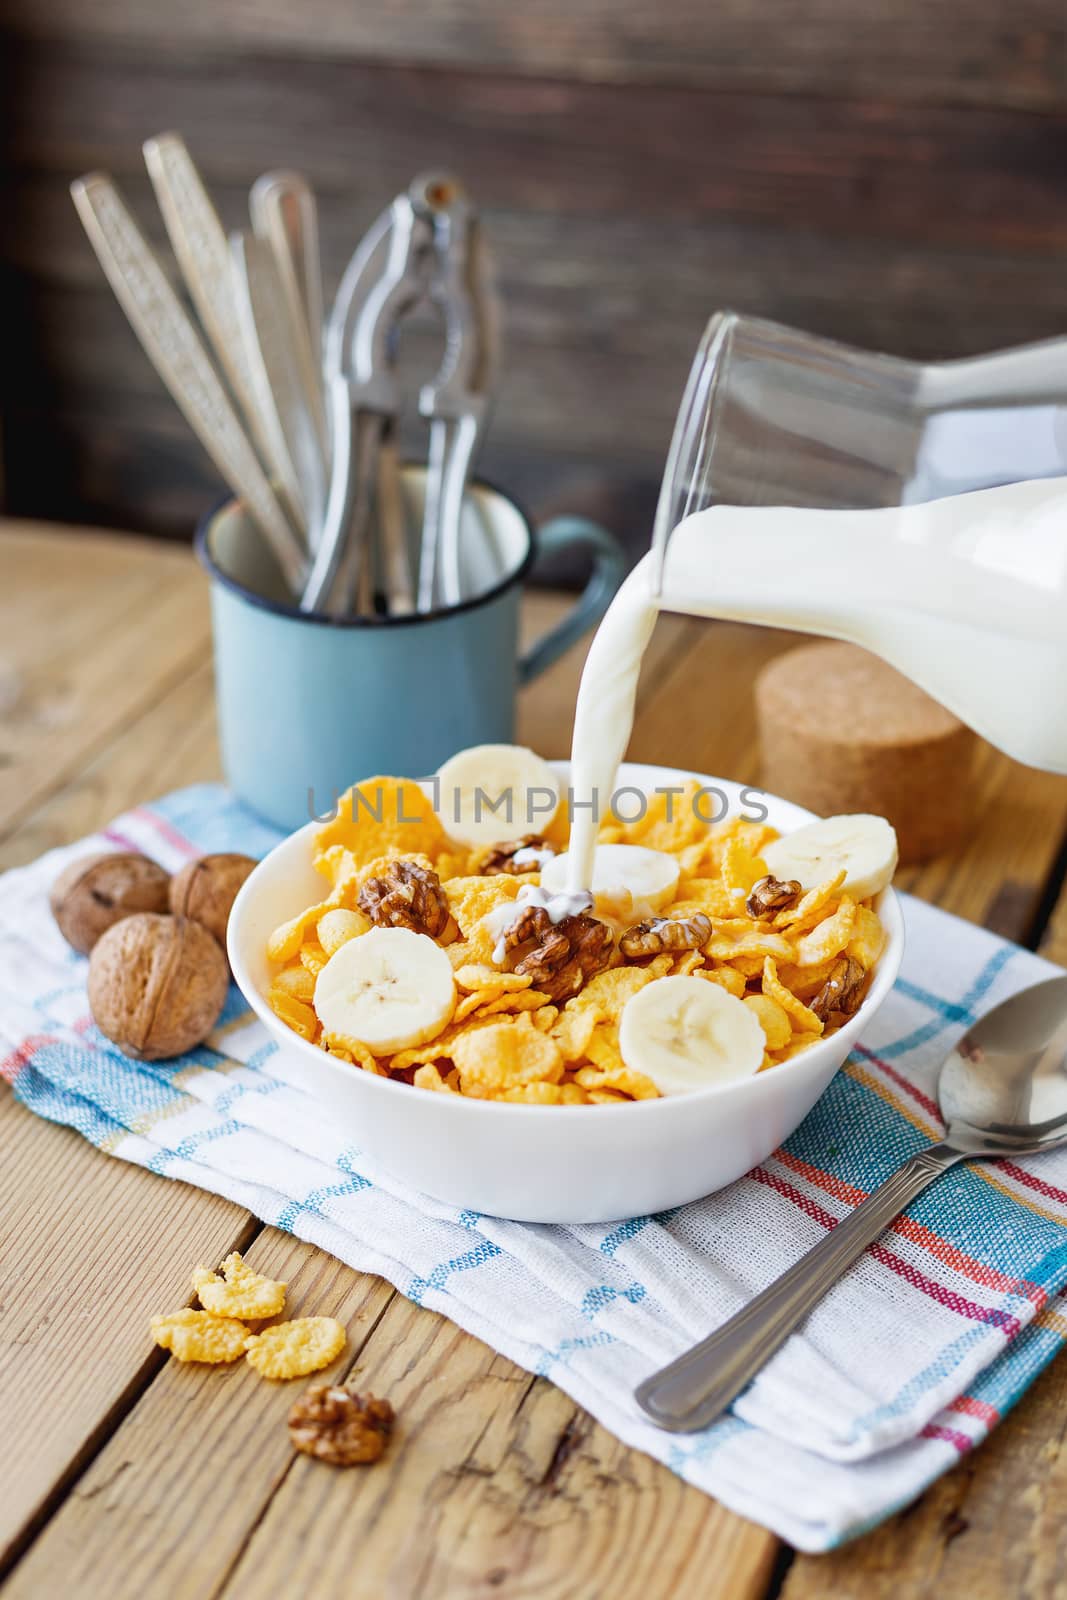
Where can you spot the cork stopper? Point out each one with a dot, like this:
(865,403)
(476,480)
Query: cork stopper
(841,731)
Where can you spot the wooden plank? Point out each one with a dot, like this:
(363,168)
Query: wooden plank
(590,387)
(513,1485)
(986,53)
(89,1249)
(172,744)
(572,289)
(516,1493)
(93,632)
(147,1518)
(845,164)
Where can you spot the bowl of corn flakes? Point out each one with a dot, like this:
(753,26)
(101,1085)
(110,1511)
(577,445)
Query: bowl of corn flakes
(505,1052)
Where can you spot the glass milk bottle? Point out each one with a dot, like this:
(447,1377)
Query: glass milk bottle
(919,511)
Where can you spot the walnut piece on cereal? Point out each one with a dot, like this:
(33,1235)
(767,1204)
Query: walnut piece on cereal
(842,990)
(528,854)
(770,895)
(565,953)
(406,895)
(336,1425)
(660,934)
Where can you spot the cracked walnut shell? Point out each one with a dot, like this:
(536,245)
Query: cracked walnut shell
(336,1425)
(205,890)
(92,894)
(156,985)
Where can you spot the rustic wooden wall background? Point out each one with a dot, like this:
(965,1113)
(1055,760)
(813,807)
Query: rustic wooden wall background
(891,174)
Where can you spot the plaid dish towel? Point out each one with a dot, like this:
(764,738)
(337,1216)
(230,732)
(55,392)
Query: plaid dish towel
(905,1366)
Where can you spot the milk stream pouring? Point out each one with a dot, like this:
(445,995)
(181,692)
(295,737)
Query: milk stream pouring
(967,596)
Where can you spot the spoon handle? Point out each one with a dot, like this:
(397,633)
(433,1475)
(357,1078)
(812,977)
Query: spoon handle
(692,1391)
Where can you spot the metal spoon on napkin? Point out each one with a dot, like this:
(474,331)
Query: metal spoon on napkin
(1002,1092)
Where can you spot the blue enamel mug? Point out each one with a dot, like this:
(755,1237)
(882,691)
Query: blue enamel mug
(308,705)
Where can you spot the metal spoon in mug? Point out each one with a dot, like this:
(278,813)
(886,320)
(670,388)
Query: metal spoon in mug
(1002,1092)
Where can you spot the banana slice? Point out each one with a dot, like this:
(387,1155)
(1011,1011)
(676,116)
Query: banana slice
(865,846)
(628,880)
(495,792)
(390,989)
(686,1033)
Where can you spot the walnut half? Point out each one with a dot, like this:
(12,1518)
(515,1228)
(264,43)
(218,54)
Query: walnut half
(520,855)
(770,895)
(841,991)
(652,938)
(406,895)
(566,954)
(341,1427)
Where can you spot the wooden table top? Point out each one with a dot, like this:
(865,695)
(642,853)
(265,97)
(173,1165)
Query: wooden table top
(127,1474)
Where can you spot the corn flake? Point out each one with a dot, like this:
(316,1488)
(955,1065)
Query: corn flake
(603,1049)
(772,1018)
(338,927)
(741,869)
(240,1291)
(313,957)
(808,908)
(476,975)
(284,943)
(534,1094)
(199,1336)
(755,941)
(726,977)
(868,938)
(296,1014)
(618,1078)
(382,814)
(504,1055)
(607,993)
(573,1030)
(293,1349)
(429,1076)
(796,1009)
(828,938)
(295,980)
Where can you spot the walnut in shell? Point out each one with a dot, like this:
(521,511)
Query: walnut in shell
(206,890)
(156,985)
(92,894)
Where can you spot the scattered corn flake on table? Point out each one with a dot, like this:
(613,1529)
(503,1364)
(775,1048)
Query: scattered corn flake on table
(128,1471)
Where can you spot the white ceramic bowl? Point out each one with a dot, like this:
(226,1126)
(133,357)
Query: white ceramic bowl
(548,1163)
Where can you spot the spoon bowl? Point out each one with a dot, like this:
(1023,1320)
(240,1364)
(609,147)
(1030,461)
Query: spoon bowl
(1003,1089)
